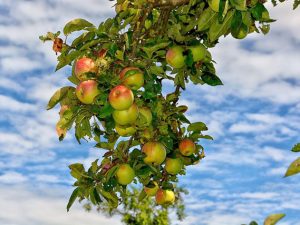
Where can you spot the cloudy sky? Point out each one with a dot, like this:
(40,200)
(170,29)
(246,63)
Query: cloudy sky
(254,119)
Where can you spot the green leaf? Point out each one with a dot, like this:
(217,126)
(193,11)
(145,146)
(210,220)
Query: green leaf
(198,126)
(94,196)
(72,198)
(77,170)
(273,219)
(142,195)
(58,96)
(206,19)
(294,168)
(151,49)
(296,148)
(296,4)
(217,29)
(211,79)
(239,4)
(106,110)
(76,25)
(253,223)
(49,36)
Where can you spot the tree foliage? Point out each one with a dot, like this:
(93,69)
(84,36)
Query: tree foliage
(164,41)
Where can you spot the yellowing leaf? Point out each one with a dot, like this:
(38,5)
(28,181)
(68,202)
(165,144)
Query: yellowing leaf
(294,168)
(273,219)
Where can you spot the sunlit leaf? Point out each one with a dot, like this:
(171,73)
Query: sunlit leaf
(273,219)
(294,168)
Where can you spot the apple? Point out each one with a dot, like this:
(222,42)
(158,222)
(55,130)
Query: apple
(164,197)
(132,77)
(125,131)
(151,191)
(175,57)
(215,4)
(155,153)
(146,113)
(174,166)
(125,174)
(187,147)
(62,110)
(83,66)
(87,90)
(121,97)
(198,52)
(127,116)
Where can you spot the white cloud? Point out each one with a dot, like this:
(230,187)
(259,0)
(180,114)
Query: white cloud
(12,178)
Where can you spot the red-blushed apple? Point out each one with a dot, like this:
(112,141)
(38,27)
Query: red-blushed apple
(174,166)
(125,174)
(164,197)
(127,116)
(151,191)
(175,57)
(146,114)
(86,91)
(132,77)
(83,66)
(155,153)
(62,110)
(187,147)
(121,97)
(198,52)
(125,131)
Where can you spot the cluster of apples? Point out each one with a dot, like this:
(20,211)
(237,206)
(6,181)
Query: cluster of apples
(155,155)
(126,113)
(176,56)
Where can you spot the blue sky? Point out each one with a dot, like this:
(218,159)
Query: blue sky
(254,119)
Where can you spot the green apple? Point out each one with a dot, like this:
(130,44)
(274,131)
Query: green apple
(164,197)
(125,131)
(146,114)
(121,97)
(174,166)
(127,116)
(125,174)
(198,52)
(175,57)
(132,77)
(83,66)
(86,91)
(151,191)
(187,147)
(155,153)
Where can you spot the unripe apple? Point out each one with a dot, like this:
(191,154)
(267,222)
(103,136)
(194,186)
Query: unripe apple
(151,191)
(164,197)
(127,116)
(175,57)
(187,147)
(62,110)
(125,174)
(146,113)
(155,153)
(83,66)
(125,131)
(121,97)
(132,77)
(198,52)
(173,166)
(86,91)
